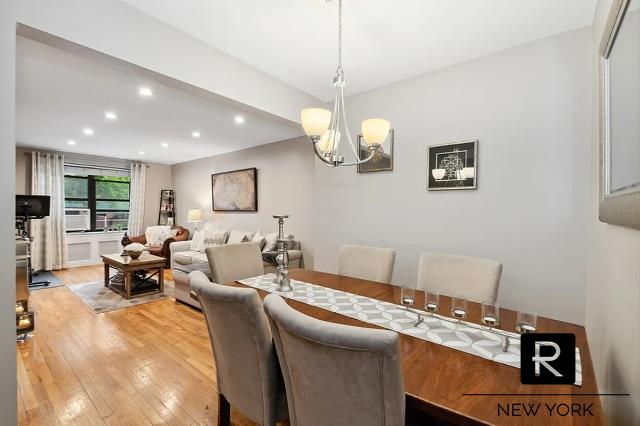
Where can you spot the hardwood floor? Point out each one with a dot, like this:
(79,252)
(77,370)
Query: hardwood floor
(148,364)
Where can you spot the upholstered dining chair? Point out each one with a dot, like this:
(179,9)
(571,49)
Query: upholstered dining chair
(231,262)
(367,263)
(248,373)
(476,279)
(336,374)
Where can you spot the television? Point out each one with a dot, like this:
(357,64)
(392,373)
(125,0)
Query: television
(32,206)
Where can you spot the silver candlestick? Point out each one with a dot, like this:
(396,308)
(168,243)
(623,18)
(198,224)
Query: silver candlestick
(281,251)
(283,268)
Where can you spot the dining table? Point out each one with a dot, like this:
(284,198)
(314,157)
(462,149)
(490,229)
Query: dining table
(454,387)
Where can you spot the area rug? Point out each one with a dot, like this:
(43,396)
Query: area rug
(101,299)
(46,276)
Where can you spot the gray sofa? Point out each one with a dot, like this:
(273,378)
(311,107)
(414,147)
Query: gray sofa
(184,261)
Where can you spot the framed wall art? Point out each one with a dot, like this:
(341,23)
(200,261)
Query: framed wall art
(235,191)
(452,166)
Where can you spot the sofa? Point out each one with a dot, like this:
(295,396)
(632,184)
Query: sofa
(158,239)
(186,258)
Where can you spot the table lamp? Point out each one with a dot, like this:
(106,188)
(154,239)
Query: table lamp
(194,216)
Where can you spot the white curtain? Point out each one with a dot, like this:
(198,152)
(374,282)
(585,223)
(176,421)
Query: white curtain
(136,198)
(49,247)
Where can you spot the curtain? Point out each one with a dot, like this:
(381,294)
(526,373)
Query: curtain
(49,247)
(136,199)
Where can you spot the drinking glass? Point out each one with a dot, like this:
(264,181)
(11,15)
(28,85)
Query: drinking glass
(490,314)
(526,321)
(459,307)
(408,296)
(432,302)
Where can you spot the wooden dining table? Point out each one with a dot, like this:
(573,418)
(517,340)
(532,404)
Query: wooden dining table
(455,387)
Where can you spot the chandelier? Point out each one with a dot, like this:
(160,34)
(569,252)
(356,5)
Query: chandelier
(323,126)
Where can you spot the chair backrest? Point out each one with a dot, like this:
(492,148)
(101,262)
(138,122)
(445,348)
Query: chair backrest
(245,357)
(476,279)
(230,262)
(336,374)
(367,263)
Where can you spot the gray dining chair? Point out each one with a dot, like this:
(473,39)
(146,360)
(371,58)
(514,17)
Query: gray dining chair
(367,263)
(231,262)
(476,279)
(248,374)
(336,374)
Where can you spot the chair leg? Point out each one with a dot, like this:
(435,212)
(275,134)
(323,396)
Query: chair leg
(224,411)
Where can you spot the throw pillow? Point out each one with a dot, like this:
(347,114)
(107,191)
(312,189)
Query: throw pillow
(197,242)
(214,237)
(156,235)
(258,238)
(271,242)
(236,236)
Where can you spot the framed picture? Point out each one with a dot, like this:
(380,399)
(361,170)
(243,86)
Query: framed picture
(235,191)
(452,166)
(382,162)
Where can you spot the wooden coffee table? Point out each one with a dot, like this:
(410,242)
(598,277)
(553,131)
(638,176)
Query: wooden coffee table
(152,265)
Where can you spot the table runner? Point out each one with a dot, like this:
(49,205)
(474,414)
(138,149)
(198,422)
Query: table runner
(462,336)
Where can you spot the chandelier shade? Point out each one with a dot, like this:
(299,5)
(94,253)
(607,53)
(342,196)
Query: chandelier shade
(375,131)
(323,127)
(315,121)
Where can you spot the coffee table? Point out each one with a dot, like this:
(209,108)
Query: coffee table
(152,265)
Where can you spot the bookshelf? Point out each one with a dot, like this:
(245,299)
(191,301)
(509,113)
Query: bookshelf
(166,215)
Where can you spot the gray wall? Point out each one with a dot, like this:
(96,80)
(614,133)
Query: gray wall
(7,248)
(285,186)
(529,107)
(157,178)
(613,286)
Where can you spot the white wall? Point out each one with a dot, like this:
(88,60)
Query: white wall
(529,108)
(157,178)
(285,186)
(117,29)
(7,189)
(612,285)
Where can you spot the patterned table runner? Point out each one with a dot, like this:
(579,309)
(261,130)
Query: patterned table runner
(463,336)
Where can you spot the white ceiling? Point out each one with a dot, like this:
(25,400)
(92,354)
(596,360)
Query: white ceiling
(384,40)
(59,93)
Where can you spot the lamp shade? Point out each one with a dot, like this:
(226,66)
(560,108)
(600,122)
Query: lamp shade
(315,121)
(194,215)
(375,130)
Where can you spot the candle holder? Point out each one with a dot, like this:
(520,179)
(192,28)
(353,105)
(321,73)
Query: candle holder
(22,306)
(283,269)
(25,324)
(281,250)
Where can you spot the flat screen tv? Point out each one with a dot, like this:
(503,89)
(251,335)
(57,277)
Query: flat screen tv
(32,206)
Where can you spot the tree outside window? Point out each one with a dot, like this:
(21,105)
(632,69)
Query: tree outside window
(107,197)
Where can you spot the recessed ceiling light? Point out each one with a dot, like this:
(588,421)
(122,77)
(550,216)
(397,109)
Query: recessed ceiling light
(70,142)
(164,145)
(110,115)
(239,119)
(87,131)
(195,134)
(145,91)
(141,153)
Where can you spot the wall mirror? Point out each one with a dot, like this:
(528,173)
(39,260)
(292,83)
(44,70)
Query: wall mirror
(620,116)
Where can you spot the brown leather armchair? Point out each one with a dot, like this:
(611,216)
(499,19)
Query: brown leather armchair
(163,250)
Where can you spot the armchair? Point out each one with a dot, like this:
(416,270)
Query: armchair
(163,249)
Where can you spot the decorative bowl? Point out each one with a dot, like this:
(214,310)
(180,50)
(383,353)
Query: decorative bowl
(134,254)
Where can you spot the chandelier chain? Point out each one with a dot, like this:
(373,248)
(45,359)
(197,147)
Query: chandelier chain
(339,69)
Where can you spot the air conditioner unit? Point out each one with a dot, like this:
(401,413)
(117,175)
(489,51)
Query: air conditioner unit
(77,219)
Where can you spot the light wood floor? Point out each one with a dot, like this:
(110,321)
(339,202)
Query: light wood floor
(148,364)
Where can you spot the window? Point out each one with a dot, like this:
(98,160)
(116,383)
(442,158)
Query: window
(106,196)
